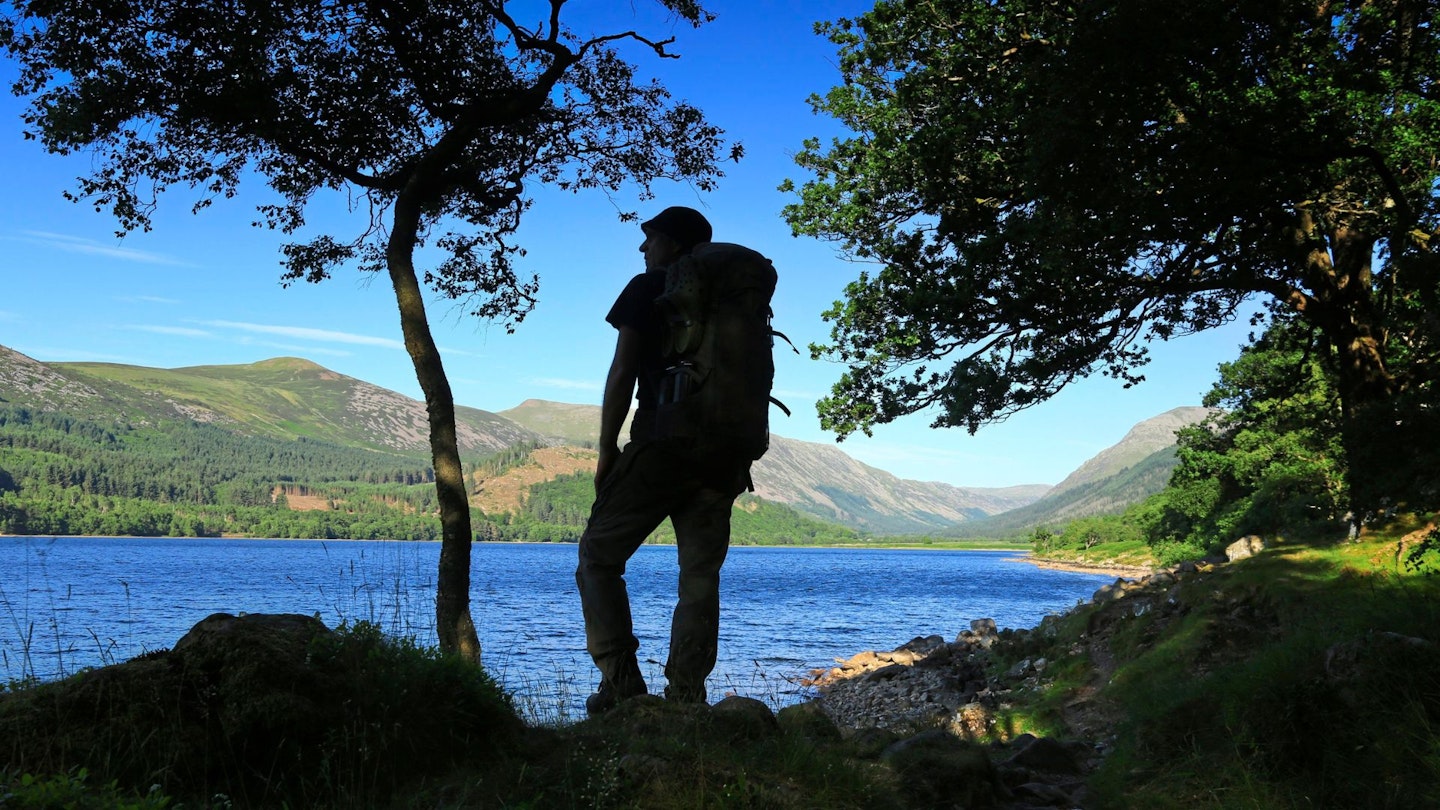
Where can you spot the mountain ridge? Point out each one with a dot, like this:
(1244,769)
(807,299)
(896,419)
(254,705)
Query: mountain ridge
(1122,474)
(820,480)
(292,397)
(288,397)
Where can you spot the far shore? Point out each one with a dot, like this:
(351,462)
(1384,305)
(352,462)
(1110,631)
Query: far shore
(888,545)
(1086,568)
(1021,554)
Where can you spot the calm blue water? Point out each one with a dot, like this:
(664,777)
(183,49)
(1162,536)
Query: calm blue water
(73,602)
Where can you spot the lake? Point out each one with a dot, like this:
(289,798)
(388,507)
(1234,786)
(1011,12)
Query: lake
(73,602)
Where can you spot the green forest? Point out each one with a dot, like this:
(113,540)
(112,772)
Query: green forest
(62,475)
(1270,463)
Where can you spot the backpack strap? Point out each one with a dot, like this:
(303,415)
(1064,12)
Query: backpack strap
(774,333)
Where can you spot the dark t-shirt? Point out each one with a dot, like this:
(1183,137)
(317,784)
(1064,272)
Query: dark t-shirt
(635,308)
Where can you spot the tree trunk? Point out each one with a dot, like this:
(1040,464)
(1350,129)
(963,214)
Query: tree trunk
(1351,317)
(453,623)
(1367,429)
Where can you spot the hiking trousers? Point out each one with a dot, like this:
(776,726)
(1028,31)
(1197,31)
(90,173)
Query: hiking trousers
(653,480)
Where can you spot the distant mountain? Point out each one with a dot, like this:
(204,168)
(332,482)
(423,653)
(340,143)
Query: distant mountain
(818,479)
(281,398)
(1145,439)
(560,421)
(821,480)
(1131,470)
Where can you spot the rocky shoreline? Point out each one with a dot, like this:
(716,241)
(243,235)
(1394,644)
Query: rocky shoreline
(931,692)
(942,696)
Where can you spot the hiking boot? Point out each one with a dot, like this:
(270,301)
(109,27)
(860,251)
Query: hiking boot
(608,697)
(680,694)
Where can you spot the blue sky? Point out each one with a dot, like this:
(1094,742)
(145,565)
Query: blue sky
(204,290)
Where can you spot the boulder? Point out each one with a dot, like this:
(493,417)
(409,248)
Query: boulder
(265,707)
(1020,670)
(1114,590)
(922,644)
(885,673)
(1361,669)
(983,627)
(274,630)
(972,721)
(1247,546)
(745,717)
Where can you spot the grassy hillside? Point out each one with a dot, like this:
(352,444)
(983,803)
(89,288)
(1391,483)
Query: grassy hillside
(1139,443)
(818,479)
(286,398)
(1306,676)
(574,424)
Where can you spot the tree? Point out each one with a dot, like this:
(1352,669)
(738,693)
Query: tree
(1269,461)
(1046,186)
(433,115)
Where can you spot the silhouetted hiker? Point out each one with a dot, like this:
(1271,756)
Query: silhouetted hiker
(691,475)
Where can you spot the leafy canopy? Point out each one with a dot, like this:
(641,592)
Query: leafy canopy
(1046,186)
(454,102)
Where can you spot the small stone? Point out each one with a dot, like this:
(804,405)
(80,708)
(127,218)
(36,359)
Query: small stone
(1048,755)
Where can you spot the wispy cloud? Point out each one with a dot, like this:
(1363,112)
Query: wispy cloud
(180,331)
(306,333)
(146,299)
(77,244)
(6,315)
(569,385)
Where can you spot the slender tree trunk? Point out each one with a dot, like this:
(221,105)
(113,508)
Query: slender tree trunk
(453,623)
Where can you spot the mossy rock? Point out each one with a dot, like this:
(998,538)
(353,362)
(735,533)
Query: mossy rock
(265,709)
(937,769)
(808,720)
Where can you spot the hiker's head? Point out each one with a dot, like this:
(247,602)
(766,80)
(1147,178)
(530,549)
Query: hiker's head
(672,234)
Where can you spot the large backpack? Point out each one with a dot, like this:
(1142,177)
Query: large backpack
(717,347)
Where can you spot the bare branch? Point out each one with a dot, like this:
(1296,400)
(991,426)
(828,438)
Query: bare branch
(658,46)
